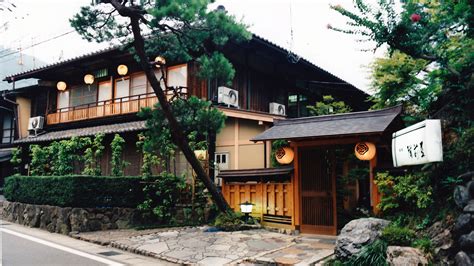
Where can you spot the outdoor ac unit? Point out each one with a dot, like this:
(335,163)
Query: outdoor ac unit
(36,123)
(228,96)
(277,109)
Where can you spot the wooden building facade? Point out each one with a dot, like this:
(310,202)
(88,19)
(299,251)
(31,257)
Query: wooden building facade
(304,196)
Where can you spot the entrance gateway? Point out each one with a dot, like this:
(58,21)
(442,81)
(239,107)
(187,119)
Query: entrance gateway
(302,196)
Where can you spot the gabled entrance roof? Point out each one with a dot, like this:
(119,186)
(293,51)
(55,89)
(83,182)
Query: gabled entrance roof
(339,125)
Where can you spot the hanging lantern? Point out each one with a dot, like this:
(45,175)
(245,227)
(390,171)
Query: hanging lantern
(365,151)
(89,79)
(122,70)
(159,60)
(61,86)
(201,155)
(284,155)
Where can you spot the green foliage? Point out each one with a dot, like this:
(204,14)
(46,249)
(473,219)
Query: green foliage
(180,31)
(93,154)
(75,191)
(39,164)
(412,192)
(424,244)
(277,144)
(229,221)
(150,159)
(397,79)
(372,254)
(117,163)
(328,106)
(161,194)
(16,159)
(197,119)
(398,236)
(431,60)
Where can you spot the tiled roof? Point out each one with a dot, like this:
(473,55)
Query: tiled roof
(261,172)
(29,73)
(86,131)
(5,154)
(357,123)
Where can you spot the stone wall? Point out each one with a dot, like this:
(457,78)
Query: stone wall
(66,219)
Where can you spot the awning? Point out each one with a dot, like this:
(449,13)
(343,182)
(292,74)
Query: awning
(261,172)
(357,123)
(86,131)
(5,154)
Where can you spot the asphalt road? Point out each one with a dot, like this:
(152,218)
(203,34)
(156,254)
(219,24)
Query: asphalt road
(17,249)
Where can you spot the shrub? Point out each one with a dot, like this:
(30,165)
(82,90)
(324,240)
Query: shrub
(372,254)
(229,221)
(75,191)
(398,236)
(424,244)
(161,194)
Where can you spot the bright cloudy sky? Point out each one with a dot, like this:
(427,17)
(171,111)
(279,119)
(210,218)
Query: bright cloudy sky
(34,21)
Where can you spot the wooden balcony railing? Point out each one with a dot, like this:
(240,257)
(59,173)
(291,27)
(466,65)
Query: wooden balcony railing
(118,106)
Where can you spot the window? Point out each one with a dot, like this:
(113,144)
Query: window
(122,89)
(178,76)
(222,163)
(63,99)
(7,128)
(138,85)
(105,92)
(82,95)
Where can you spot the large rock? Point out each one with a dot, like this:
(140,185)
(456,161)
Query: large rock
(466,242)
(402,256)
(462,259)
(464,225)
(469,207)
(461,196)
(358,233)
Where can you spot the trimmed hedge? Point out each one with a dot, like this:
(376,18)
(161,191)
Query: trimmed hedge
(75,191)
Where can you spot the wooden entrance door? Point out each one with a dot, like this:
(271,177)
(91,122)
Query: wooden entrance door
(318,191)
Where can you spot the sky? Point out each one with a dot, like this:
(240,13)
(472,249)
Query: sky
(41,30)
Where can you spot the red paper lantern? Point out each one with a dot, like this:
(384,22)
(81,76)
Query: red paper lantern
(415,17)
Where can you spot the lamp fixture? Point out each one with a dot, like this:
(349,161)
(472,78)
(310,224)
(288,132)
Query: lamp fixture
(246,209)
(89,79)
(365,151)
(61,86)
(284,155)
(122,70)
(159,60)
(201,155)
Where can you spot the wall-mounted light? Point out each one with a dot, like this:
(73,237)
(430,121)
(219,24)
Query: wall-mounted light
(159,60)
(201,155)
(89,79)
(284,155)
(61,86)
(122,70)
(365,151)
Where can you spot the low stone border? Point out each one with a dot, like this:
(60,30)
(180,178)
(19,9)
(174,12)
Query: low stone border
(67,219)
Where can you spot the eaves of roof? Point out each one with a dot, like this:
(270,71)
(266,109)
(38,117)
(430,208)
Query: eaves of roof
(29,73)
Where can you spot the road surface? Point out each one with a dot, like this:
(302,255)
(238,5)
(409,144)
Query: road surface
(24,246)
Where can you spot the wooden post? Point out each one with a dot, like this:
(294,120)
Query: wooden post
(374,191)
(296,219)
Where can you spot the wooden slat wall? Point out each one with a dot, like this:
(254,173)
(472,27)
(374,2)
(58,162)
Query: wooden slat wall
(269,198)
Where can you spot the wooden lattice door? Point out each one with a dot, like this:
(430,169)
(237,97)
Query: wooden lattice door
(318,191)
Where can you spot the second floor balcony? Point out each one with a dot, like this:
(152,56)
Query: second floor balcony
(117,106)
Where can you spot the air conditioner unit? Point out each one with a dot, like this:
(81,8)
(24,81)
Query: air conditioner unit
(36,123)
(277,109)
(228,96)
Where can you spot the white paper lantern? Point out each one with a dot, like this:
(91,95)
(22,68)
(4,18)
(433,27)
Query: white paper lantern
(365,151)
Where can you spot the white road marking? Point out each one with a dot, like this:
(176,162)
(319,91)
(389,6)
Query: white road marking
(63,248)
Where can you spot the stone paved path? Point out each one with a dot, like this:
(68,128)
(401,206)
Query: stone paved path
(196,246)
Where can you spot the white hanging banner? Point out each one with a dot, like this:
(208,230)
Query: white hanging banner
(418,144)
